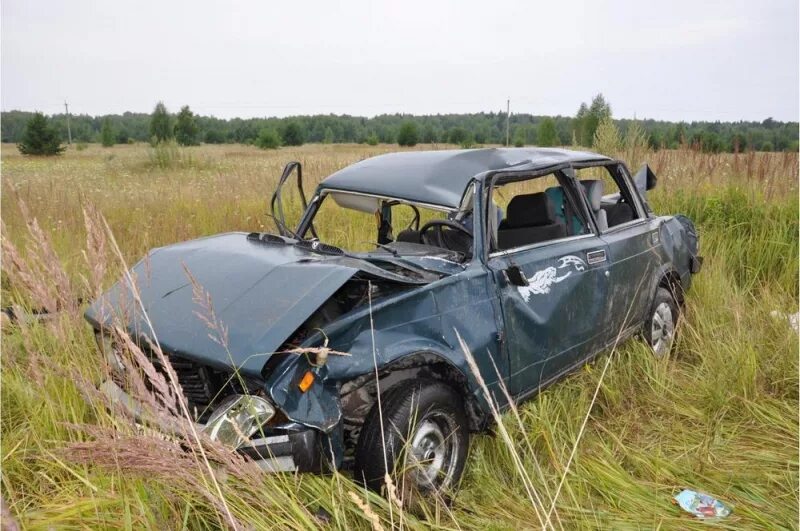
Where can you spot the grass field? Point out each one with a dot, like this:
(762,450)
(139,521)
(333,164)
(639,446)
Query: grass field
(719,415)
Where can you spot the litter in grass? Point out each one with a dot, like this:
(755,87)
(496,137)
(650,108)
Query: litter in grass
(702,505)
(792,318)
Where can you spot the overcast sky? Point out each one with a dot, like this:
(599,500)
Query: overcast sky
(677,60)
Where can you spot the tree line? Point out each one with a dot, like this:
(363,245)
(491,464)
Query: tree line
(466,130)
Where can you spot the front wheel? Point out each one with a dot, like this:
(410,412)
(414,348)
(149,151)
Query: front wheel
(426,438)
(660,326)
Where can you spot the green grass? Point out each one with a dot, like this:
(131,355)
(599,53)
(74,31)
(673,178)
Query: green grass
(720,415)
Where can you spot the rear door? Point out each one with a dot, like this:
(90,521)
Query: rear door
(633,255)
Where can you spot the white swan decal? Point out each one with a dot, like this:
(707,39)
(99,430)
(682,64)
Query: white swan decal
(541,281)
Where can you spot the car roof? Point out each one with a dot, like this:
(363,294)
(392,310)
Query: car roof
(440,177)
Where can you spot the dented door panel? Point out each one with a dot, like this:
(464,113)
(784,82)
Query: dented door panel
(634,255)
(551,324)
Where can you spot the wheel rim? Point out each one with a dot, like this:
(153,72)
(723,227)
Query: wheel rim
(662,330)
(434,451)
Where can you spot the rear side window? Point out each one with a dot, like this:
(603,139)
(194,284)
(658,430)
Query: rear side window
(608,196)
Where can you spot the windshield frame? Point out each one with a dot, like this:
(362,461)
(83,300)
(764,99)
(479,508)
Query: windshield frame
(307,219)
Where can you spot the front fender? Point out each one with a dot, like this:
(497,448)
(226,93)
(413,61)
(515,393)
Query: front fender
(318,407)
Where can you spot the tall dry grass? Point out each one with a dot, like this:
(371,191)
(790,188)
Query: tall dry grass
(606,448)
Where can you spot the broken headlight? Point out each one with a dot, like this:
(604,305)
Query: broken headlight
(109,349)
(237,418)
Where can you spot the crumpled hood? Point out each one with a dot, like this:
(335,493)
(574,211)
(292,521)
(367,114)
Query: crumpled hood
(259,293)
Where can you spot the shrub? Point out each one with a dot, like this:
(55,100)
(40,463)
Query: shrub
(637,144)
(214,137)
(519,137)
(268,139)
(40,138)
(293,134)
(80,146)
(606,137)
(458,135)
(373,139)
(164,154)
(546,135)
(408,135)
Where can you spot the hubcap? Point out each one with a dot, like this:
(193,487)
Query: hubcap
(434,451)
(663,329)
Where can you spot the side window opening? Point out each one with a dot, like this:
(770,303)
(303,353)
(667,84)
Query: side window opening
(533,211)
(608,196)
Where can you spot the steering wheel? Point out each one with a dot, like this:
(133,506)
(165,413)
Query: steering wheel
(437,238)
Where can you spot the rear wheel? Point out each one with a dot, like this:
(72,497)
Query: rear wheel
(661,324)
(426,434)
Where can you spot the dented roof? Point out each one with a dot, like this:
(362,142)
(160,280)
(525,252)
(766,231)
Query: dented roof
(440,177)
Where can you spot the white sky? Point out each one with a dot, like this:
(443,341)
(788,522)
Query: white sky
(677,60)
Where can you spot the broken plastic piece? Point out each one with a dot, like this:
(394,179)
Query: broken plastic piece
(793,319)
(702,505)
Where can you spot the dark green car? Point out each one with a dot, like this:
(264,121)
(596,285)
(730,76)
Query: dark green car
(536,259)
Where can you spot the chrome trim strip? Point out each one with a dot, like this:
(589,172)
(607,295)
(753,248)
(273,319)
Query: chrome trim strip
(540,244)
(277,464)
(266,441)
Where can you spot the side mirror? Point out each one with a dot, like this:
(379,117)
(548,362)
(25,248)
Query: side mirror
(645,179)
(515,276)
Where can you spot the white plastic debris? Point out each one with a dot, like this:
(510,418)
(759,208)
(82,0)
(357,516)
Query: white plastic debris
(792,318)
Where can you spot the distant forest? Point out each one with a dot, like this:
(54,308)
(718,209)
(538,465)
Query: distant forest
(464,129)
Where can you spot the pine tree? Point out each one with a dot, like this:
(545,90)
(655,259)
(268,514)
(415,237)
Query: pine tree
(40,138)
(160,124)
(186,131)
(106,133)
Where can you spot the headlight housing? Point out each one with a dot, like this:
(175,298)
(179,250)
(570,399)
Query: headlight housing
(237,418)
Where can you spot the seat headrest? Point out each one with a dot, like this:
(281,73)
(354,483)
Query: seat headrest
(530,210)
(594,193)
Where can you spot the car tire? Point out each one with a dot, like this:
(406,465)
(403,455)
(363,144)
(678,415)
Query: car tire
(427,438)
(661,325)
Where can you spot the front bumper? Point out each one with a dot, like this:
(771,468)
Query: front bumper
(291,448)
(695,264)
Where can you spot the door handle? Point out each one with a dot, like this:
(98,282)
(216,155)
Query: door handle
(596,257)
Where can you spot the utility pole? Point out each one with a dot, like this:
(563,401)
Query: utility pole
(508,119)
(69,131)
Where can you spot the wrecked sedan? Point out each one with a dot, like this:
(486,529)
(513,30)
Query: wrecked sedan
(536,259)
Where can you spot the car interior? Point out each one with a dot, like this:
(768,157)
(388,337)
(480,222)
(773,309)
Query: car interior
(540,216)
(522,213)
